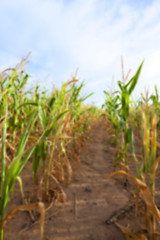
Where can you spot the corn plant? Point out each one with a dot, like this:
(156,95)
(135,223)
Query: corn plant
(10,173)
(155,98)
(58,115)
(16,80)
(77,111)
(148,165)
(135,116)
(125,92)
(149,134)
(151,211)
(111,107)
(155,104)
(146,169)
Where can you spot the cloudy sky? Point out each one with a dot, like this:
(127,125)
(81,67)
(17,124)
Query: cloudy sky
(90,35)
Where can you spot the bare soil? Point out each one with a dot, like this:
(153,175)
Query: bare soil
(93,200)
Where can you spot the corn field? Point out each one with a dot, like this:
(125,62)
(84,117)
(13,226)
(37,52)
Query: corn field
(49,130)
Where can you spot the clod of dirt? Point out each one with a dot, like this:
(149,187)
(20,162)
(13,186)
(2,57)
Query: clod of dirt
(88,189)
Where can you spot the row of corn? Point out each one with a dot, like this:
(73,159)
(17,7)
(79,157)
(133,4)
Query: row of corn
(44,128)
(126,115)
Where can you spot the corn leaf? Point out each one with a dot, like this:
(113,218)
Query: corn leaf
(134,80)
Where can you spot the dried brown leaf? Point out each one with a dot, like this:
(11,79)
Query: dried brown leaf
(130,234)
(28,207)
(144,192)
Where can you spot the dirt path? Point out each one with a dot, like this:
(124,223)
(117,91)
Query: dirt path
(91,200)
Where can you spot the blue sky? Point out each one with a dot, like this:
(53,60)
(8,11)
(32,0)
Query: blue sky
(90,35)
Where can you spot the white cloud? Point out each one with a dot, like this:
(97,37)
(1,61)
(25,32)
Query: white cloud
(88,34)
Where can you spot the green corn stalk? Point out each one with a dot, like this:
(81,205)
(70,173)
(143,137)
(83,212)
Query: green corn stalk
(41,148)
(155,104)
(13,83)
(125,92)
(20,112)
(149,134)
(11,173)
(135,114)
(48,108)
(3,165)
(75,101)
(149,163)
(75,105)
(153,152)
(111,107)
(62,102)
(155,98)
(17,99)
